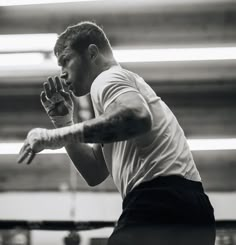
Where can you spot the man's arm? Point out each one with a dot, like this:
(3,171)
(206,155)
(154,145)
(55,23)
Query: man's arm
(89,161)
(126,117)
(59,105)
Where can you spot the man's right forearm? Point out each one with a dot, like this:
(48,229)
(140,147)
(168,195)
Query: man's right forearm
(89,162)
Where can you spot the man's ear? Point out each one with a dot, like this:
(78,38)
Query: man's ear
(93,52)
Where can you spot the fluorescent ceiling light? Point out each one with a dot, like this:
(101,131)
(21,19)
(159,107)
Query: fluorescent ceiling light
(195,145)
(136,2)
(175,54)
(212,144)
(14,148)
(27,43)
(139,55)
(33,2)
(13,60)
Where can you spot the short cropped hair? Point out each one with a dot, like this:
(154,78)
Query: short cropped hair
(80,36)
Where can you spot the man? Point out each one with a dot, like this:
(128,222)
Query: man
(136,139)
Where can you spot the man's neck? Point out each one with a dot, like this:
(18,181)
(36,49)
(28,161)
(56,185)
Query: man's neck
(106,65)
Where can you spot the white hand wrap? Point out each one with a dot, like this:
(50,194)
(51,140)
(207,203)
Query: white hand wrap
(62,136)
(50,103)
(59,121)
(40,138)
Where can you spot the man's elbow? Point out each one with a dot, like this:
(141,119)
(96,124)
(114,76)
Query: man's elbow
(94,181)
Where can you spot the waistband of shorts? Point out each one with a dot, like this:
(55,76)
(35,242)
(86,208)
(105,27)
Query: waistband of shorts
(171,181)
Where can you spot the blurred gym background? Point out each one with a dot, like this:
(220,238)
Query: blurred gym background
(185,49)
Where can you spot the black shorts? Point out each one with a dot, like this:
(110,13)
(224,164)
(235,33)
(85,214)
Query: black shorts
(166,210)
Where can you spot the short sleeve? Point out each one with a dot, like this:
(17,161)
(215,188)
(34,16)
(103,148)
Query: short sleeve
(108,86)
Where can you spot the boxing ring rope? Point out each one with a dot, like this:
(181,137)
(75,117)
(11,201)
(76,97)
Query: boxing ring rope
(62,225)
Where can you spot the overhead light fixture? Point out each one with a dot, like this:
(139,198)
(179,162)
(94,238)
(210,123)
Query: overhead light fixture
(14,148)
(33,2)
(194,144)
(132,56)
(212,144)
(26,43)
(175,54)
(19,60)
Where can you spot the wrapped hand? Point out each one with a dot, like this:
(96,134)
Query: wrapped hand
(35,142)
(39,139)
(57,103)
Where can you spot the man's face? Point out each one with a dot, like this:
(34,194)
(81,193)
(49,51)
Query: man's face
(75,71)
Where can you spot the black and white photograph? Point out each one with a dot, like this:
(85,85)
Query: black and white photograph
(117,122)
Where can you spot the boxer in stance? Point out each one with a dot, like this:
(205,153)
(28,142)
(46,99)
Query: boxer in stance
(135,138)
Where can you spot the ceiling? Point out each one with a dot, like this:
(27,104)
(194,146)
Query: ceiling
(202,94)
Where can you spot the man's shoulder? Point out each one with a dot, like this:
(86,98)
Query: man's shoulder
(113,74)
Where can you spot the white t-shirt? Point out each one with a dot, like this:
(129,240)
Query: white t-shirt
(160,152)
